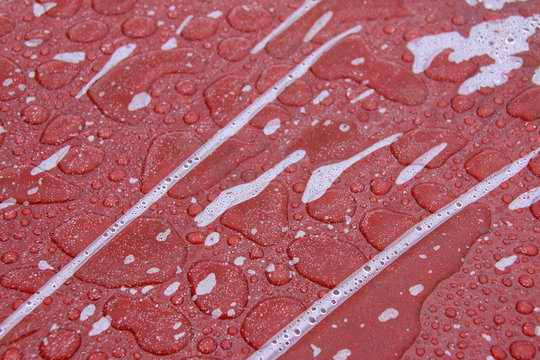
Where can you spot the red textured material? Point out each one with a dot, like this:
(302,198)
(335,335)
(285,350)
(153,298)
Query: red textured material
(165,288)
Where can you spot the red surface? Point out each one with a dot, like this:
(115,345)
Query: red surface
(467,309)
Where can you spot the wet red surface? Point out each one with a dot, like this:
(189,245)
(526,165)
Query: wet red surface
(73,163)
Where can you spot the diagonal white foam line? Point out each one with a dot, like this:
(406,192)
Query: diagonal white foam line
(241,193)
(183,24)
(526,199)
(296,329)
(161,189)
(418,164)
(318,26)
(323,177)
(118,55)
(51,162)
(297,14)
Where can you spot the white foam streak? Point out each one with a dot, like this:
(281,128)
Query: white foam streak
(536,77)
(526,199)
(244,192)
(418,164)
(183,24)
(297,328)
(8,202)
(71,57)
(119,54)
(318,26)
(297,14)
(161,189)
(51,162)
(323,177)
(363,95)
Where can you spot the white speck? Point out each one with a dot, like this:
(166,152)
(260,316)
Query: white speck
(206,285)
(87,312)
(178,336)
(171,289)
(152,270)
(214,14)
(40,9)
(487,337)
(436,247)
(146,289)
(231,313)
(32,191)
(246,88)
(177,325)
(71,57)
(388,314)
(322,95)
(416,289)
(363,95)
(51,162)
(7,82)
(537,330)
(505,262)
(272,126)
(536,77)
(491,4)
(100,326)
(133,180)
(139,101)
(162,236)
(129,259)
(358,61)
(342,354)
(422,256)
(30,99)
(316,350)
(33,42)
(299,234)
(216,313)
(44,265)
(212,239)
(169,44)
(239,261)
(271,268)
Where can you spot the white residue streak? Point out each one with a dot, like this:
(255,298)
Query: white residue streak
(214,14)
(139,101)
(220,137)
(8,202)
(129,259)
(342,354)
(297,14)
(416,289)
(212,239)
(240,193)
(316,350)
(239,261)
(499,39)
(418,164)
(51,162)
(87,312)
(40,9)
(526,199)
(505,262)
(44,265)
(71,57)
(100,326)
(323,95)
(318,26)
(272,126)
(536,77)
(183,24)
(162,236)
(171,289)
(206,285)
(323,177)
(33,42)
(282,340)
(169,44)
(119,54)
(492,4)
(388,314)
(362,96)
